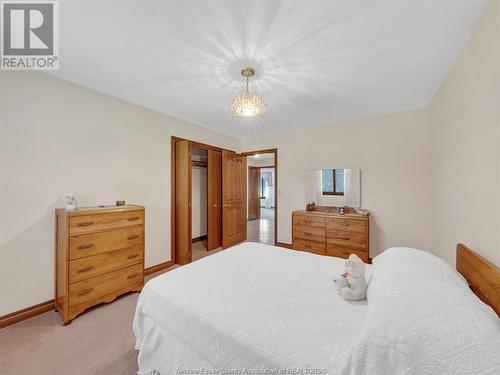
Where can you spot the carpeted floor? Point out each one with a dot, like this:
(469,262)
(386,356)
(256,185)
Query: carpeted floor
(98,342)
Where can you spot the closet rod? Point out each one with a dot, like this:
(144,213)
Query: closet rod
(200,164)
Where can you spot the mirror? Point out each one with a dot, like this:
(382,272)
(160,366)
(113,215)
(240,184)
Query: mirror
(337,187)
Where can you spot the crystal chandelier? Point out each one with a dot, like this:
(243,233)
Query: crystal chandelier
(247,104)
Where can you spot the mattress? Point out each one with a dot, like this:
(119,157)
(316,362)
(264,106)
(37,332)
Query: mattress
(253,307)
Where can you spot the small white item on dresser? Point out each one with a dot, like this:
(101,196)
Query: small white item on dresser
(70,202)
(360,211)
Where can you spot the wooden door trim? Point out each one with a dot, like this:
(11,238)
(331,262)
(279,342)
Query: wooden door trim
(173,140)
(203,146)
(275,152)
(172,198)
(268,151)
(214,238)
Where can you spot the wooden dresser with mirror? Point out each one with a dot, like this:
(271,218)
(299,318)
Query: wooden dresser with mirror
(328,233)
(323,230)
(99,256)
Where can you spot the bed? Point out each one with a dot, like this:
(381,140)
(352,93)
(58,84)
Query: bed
(262,309)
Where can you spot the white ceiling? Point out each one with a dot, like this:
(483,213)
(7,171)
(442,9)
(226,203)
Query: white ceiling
(318,62)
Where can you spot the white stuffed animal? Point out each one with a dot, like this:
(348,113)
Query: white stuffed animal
(352,284)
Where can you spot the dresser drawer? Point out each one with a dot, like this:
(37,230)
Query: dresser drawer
(97,243)
(308,220)
(344,252)
(348,239)
(88,267)
(309,233)
(103,288)
(310,246)
(97,222)
(346,224)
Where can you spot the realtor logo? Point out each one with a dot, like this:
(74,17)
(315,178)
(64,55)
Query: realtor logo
(30,35)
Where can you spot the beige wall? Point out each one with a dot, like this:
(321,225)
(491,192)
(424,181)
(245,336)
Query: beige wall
(465,131)
(57,137)
(392,152)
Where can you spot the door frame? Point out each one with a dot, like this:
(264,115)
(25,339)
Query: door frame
(173,140)
(275,152)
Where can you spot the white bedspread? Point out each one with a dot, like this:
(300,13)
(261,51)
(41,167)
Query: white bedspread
(423,320)
(253,306)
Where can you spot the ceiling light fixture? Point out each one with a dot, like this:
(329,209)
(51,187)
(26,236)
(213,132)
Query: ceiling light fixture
(246,103)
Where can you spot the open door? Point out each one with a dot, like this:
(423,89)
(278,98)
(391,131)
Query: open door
(214,200)
(253,193)
(182,202)
(234,198)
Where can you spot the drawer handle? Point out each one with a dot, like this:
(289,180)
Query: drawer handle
(85,291)
(134,218)
(132,276)
(85,223)
(345,224)
(307,221)
(308,245)
(345,238)
(133,237)
(86,269)
(308,233)
(132,256)
(86,246)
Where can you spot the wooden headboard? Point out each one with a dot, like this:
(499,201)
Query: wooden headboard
(483,277)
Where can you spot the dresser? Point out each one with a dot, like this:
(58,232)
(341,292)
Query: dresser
(99,256)
(331,234)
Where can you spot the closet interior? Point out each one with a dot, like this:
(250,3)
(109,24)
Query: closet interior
(199,191)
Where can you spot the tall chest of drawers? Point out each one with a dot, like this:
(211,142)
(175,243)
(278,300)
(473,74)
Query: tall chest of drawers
(331,234)
(99,256)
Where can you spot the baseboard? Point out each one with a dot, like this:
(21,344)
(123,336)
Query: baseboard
(282,244)
(26,313)
(158,267)
(201,238)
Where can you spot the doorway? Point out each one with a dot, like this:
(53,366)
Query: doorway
(262,196)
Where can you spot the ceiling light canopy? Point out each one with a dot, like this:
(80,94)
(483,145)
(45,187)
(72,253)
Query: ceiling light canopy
(247,103)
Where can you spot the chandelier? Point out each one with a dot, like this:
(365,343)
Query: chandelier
(246,103)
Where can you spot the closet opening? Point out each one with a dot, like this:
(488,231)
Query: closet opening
(208,200)
(199,208)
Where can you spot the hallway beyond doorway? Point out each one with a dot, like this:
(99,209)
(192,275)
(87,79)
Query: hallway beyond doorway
(262,230)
